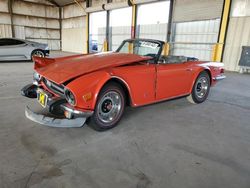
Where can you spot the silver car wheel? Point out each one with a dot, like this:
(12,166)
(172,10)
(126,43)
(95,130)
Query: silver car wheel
(201,87)
(109,107)
(38,53)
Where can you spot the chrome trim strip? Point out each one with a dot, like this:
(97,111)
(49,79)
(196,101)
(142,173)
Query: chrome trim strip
(80,113)
(57,87)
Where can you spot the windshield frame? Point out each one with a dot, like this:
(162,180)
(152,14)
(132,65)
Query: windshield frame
(156,58)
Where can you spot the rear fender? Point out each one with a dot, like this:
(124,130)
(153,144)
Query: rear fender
(196,74)
(87,87)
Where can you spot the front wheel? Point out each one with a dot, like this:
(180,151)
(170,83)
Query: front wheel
(200,89)
(109,107)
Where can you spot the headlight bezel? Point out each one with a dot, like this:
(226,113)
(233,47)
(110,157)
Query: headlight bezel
(70,97)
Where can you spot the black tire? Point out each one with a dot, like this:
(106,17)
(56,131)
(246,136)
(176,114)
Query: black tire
(200,89)
(38,53)
(105,105)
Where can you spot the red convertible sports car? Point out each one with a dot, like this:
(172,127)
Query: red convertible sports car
(99,86)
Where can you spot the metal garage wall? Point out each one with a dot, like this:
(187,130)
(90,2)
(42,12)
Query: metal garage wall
(5,31)
(32,20)
(238,33)
(195,38)
(74,29)
(5,28)
(196,27)
(190,10)
(120,26)
(153,31)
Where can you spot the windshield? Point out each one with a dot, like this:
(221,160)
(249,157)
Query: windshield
(140,47)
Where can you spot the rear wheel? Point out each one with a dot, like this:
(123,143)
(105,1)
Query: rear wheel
(38,53)
(109,107)
(200,89)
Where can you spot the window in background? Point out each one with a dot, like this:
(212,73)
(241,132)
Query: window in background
(97,31)
(120,27)
(152,20)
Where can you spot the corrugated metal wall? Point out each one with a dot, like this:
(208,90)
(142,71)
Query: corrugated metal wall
(5,31)
(153,31)
(193,10)
(238,35)
(74,29)
(196,38)
(119,33)
(5,28)
(32,21)
(196,27)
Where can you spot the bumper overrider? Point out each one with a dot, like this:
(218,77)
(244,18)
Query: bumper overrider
(69,117)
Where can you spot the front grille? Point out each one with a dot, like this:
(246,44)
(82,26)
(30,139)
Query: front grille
(58,89)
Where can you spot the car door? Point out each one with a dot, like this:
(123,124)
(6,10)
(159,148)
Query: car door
(140,79)
(12,49)
(173,80)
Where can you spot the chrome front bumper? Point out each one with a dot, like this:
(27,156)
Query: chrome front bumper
(70,117)
(76,119)
(53,122)
(220,77)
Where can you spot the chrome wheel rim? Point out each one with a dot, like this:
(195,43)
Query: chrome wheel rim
(201,87)
(109,107)
(38,54)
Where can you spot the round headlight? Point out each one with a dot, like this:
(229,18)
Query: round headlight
(36,76)
(70,97)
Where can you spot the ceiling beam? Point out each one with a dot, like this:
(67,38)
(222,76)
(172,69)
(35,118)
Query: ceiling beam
(54,3)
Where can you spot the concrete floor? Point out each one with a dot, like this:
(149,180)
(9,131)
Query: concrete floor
(172,144)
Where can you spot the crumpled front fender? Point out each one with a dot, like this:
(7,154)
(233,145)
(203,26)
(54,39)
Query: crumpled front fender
(86,88)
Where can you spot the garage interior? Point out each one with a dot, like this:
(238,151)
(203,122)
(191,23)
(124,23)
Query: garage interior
(169,144)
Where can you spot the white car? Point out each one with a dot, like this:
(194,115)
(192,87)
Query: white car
(12,49)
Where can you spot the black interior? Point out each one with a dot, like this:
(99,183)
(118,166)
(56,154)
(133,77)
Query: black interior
(170,59)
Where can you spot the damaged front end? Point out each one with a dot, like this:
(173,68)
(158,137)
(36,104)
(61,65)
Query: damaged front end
(52,98)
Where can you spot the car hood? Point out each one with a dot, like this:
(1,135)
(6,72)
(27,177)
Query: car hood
(60,70)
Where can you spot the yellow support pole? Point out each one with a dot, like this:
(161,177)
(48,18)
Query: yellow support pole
(105,46)
(133,19)
(218,48)
(166,49)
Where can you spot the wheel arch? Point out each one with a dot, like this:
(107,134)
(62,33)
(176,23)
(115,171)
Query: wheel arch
(95,82)
(203,69)
(124,86)
(209,74)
